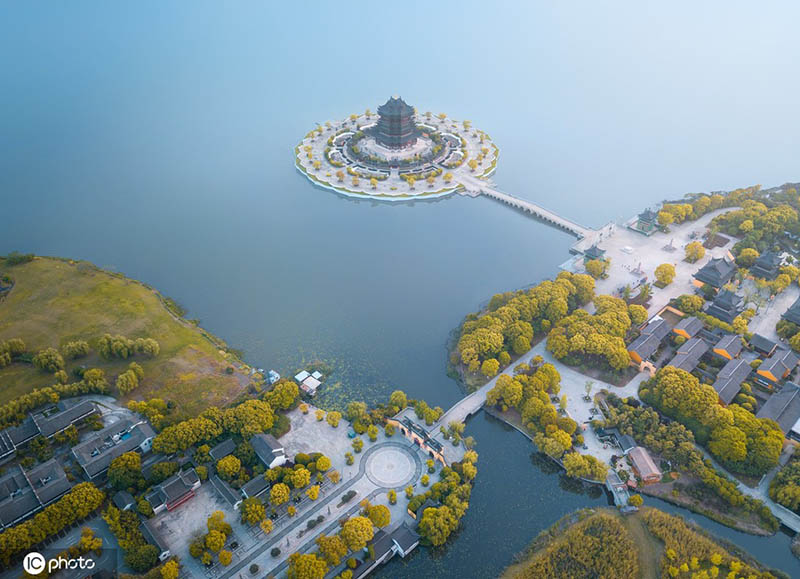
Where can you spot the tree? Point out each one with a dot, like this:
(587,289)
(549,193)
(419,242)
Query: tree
(49,360)
(300,477)
(379,515)
(398,399)
(333,418)
(372,432)
(411,181)
(447,177)
(665,218)
(436,524)
(356,532)
(472,164)
(76,349)
(747,257)
(229,467)
(283,395)
(689,304)
(490,367)
(358,444)
(323,463)
(340,175)
(332,548)
(266,526)
(125,471)
(392,496)
(694,251)
(278,494)
(665,273)
(215,541)
(170,569)
(373,182)
(636,500)
(638,314)
(596,268)
(252,510)
(225,557)
(306,566)
(313,492)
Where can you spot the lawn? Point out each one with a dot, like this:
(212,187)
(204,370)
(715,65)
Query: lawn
(55,301)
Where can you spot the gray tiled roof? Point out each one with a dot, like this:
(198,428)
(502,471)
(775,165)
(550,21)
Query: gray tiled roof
(95,455)
(645,345)
(717,272)
(255,486)
(689,354)
(22,493)
(730,378)
(223,449)
(690,325)
(793,313)
(658,328)
(781,362)
(762,344)
(266,447)
(783,407)
(731,343)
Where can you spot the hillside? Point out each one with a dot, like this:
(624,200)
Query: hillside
(55,301)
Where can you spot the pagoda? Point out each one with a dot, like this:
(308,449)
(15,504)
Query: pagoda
(395,128)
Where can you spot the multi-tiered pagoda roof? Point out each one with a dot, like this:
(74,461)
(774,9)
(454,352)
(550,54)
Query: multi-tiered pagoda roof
(396,128)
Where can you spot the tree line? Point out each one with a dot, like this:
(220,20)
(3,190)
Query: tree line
(81,500)
(513,319)
(739,440)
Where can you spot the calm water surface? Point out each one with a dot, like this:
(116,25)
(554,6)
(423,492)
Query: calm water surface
(156,139)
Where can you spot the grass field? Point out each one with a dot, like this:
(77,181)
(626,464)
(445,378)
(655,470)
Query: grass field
(54,301)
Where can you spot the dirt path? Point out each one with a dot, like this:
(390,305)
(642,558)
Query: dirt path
(650,548)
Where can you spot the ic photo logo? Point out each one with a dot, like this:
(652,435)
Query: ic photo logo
(35,563)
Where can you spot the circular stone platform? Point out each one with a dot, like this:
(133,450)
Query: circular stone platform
(392,466)
(343,156)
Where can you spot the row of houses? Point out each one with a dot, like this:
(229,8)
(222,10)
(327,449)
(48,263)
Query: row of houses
(46,422)
(25,492)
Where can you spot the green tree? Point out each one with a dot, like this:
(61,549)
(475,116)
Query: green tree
(333,418)
(665,273)
(332,548)
(252,510)
(125,471)
(747,257)
(694,251)
(490,367)
(229,467)
(300,478)
(215,541)
(379,515)
(356,532)
(278,494)
(306,566)
(436,524)
(49,360)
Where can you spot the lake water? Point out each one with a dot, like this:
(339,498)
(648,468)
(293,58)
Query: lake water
(157,140)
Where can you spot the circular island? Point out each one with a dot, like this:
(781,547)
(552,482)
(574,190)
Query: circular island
(396,155)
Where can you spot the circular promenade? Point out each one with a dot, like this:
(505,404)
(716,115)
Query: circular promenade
(346,157)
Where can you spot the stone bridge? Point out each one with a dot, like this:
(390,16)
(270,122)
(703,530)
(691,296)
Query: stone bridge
(473,184)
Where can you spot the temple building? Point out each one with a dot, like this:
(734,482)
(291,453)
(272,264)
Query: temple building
(396,128)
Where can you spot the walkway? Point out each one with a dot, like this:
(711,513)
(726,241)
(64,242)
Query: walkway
(275,539)
(761,492)
(475,184)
